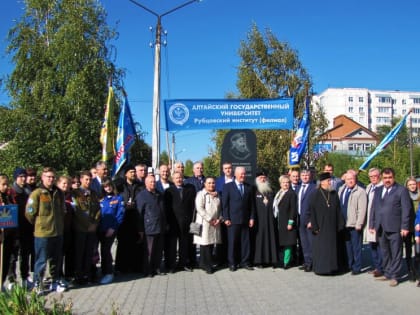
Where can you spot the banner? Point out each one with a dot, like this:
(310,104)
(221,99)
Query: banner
(229,114)
(126,135)
(300,139)
(385,141)
(8,216)
(108,130)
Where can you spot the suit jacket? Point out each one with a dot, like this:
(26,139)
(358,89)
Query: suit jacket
(220,182)
(160,188)
(392,212)
(179,210)
(305,213)
(356,207)
(236,208)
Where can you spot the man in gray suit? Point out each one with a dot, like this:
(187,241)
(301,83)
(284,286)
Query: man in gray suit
(390,219)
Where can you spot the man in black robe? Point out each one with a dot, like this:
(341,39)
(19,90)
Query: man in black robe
(265,251)
(326,221)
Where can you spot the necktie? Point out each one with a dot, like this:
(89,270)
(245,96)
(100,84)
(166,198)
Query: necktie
(241,189)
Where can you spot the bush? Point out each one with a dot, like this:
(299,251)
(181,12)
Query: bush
(19,301)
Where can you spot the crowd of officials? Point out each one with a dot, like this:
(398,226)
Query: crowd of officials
(316,223)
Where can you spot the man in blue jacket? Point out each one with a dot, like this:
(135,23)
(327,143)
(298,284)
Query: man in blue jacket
(238,212)
(390,219)
(152,221)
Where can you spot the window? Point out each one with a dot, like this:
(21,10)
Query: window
(404,111)
(403,102)
(350,109)
(361,110)
(416,100)
(384,99)
(416,110)
(350,98)
(383,120)
(383,109)
(360,99)
(359,146)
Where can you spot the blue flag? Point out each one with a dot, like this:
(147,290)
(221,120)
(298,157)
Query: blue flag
(300,139)
(126,135)
(385,141)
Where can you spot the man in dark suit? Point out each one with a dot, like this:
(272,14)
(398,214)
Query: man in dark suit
(238,212)
(306,188)
(179,204)
(390,219)
(227,177)
(101,173)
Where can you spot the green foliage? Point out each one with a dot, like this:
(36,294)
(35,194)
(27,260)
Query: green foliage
(188,168)
(20,301)
(58,88)
(269,69)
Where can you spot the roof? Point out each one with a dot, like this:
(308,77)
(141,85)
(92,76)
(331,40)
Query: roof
(345,127)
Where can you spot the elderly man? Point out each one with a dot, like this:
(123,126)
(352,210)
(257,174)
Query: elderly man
(326,220)
(152,222)
(179,207)
(371,238)
(265,251)
(390,220)
(353,200)
(238,212)
(198,178)
(101,173)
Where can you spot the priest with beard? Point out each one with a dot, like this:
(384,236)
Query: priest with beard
(326,221)
(265,251)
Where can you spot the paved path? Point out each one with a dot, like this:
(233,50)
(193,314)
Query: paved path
(262,291)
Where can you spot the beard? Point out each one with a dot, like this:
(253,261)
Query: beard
(263,187)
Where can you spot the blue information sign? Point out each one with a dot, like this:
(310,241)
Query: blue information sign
(8,216)
(229,114)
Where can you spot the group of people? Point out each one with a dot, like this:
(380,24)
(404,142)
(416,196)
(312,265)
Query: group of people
(71,223)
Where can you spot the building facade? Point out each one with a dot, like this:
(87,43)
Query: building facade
(370,108)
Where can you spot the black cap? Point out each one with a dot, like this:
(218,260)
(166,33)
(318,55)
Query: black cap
(324,176)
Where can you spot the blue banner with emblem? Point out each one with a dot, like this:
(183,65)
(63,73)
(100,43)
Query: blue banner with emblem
(229,114)
(8,216)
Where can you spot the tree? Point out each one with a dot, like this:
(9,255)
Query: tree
(58,87)
(268,69)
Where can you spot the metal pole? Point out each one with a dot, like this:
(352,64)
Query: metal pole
(156,99)
(156,84)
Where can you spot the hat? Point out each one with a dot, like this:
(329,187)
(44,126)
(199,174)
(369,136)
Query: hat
(18,172)
(129,167)
(261,172)
(324,176)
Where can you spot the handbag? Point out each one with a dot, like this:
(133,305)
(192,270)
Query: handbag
(195,227)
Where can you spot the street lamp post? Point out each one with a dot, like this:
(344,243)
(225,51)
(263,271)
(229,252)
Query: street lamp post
(156,82)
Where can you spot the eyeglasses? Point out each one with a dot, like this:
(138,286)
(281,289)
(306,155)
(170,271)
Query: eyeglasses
(78,183)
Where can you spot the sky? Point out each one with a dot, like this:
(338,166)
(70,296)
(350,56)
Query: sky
(370,44)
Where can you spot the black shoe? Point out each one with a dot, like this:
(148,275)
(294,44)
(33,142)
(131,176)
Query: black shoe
(160,273)
(248,267)
(232,268)
(356,272)
(187,269)
(286,266)
(303,267)
(210,271)
(308,269)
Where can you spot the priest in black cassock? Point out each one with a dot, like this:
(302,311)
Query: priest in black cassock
(265,250)
(326,221)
